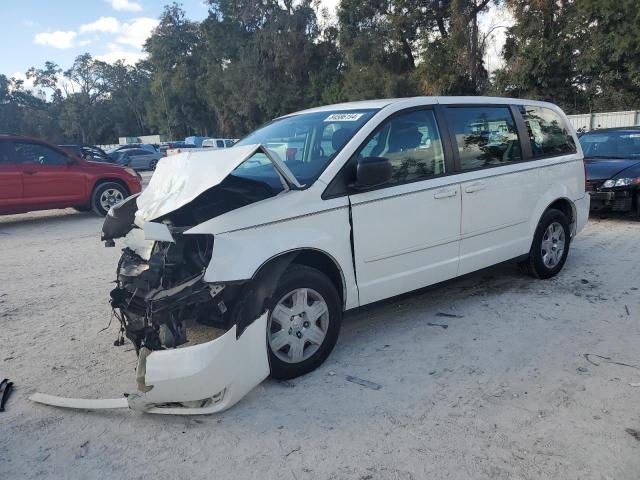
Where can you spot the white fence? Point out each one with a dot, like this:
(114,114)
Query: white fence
(591,121)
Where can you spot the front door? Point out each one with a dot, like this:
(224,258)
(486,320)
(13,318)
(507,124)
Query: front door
(49,178)
(11,196)
(499,191)
(406,234)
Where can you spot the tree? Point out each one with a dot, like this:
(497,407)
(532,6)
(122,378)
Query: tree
(539,53)
(607,53)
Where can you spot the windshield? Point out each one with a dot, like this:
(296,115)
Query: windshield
(306,143)
(611,144)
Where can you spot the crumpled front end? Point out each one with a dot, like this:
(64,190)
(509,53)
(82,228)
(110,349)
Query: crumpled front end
(201,346)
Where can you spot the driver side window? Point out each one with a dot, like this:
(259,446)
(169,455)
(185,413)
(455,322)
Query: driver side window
(38,154)
(411,142)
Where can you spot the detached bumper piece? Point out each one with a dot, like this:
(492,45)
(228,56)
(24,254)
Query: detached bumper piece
(202,379)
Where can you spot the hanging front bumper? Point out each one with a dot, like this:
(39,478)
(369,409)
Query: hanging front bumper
(206,378)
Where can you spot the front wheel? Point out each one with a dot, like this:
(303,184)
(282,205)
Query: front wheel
(550,245)
(106,195)
(305,313)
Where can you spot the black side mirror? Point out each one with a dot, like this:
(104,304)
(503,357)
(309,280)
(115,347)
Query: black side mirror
(372,172)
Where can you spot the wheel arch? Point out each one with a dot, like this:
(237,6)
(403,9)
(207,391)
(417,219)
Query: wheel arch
(567,207)
(310,257)
(102,181)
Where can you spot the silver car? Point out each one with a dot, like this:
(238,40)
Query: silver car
(138,159)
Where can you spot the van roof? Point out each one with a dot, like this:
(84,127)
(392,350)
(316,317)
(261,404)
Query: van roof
(381,103)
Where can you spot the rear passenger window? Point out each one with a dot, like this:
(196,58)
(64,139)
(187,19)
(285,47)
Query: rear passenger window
(484,136)
(219,144)
(412,144)
(547,132)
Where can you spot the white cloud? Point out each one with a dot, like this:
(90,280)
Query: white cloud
(130,58)
(57,39)
(103,24)
(125,6)
(136,32)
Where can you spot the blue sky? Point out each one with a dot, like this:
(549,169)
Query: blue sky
(34,31)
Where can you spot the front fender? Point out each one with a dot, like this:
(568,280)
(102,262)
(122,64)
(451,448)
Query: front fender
(238,255)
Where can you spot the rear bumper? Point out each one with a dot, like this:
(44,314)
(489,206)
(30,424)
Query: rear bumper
(582,213)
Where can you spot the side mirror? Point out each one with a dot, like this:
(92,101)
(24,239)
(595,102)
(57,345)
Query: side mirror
(372,172)
(72,161)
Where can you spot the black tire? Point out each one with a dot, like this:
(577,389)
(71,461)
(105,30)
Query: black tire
(297,277)
(96,205)
(535,265)
(153,164)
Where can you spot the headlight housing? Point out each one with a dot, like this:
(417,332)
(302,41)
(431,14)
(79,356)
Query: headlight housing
(621,182)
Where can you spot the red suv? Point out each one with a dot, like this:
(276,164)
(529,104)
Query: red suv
(35,175)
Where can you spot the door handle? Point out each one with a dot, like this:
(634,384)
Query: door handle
(30,172)
(475,187)
(446,193)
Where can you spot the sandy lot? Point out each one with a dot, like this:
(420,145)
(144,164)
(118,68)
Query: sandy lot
(503,392)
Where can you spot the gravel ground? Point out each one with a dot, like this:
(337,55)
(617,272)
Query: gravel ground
(484,377)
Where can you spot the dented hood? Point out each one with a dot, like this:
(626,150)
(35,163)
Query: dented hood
(179,179)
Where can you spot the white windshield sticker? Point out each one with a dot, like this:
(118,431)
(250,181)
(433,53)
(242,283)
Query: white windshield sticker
(343,117)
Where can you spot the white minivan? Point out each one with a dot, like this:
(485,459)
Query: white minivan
(322,211)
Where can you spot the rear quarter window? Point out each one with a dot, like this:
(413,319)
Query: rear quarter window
(548,133)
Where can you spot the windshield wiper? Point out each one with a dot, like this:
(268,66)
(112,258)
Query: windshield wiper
(283,170)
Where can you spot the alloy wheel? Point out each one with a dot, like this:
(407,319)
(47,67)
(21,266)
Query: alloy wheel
(298,325)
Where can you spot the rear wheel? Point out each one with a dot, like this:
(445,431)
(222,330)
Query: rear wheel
(550,245)
(305,313)
(106,195)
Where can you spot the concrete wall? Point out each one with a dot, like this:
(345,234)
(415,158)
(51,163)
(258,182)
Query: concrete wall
(590,121)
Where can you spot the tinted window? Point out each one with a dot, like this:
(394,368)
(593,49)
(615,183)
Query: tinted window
(37,153)
(137,151)
(228,143)
(611,144)
(219,144)
(411,142)
(547,132)
(484,136)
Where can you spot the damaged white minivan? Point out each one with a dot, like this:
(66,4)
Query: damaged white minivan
(321,211)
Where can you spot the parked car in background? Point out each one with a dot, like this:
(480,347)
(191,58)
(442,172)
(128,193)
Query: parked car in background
(36,175)
(217,143)
(138,158)
(612,160)
(324,211)
(144,146)
(88,152)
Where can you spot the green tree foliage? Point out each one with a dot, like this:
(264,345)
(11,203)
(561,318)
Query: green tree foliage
(607,52)
(539,53)
(252,60)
